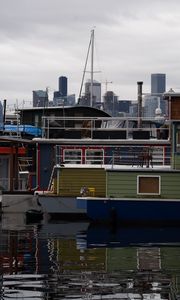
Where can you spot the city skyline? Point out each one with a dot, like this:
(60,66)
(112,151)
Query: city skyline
(42,40)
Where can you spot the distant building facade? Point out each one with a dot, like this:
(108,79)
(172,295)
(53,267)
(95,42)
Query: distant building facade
(40,98)
(96,93)
(158,83)
(124,106)
(61,97)
(1,113)
(111,103)
(63,86)
(71,100)
(133,109)
(150,106)
(155,99)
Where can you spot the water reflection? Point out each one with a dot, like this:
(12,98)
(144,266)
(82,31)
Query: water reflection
(97,236)
(79,261)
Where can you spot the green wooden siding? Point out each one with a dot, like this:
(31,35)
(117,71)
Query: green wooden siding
(176,161)
(124,184)
(72,179)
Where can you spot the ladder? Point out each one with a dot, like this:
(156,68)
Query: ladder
(24,163)
(51,179)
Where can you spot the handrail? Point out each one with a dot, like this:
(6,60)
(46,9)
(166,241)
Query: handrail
(121,155)
(90,126)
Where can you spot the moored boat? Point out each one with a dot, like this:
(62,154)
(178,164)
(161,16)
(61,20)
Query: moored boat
(20,202)
(136,195)
(66,165)
(16,170)
(67,183)
(136,163)
(140,195)
(84,163)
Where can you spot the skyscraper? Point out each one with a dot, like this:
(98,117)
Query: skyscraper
(63,86)
(111,103)
(158,83)
(96,91)
(60,96)
(150,106)
(155,100)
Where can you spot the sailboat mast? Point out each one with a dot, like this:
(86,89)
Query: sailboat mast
(92,66)
(85,69)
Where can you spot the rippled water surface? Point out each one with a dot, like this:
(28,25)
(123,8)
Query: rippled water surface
(63,260)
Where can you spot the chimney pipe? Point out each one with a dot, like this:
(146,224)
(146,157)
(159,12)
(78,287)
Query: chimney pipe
(139,83)
(4,114)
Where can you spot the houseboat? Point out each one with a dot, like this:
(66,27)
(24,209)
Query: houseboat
(148,195)
(136,195)
(15,170)
(67,165)
(91,161)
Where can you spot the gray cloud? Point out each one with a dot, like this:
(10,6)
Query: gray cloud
(43,39)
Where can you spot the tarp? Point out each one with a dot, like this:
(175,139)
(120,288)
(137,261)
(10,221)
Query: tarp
(26,129)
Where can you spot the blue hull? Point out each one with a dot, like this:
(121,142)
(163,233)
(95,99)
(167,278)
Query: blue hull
(130,210)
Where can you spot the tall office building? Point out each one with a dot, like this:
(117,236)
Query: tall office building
(1,114)
(158,83)
(151,103)
(96,97)
(60,96)
(124,105)
(155,100)
(133,109)
(63,86)
(111,103)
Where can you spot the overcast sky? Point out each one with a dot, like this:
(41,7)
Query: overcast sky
(41,40)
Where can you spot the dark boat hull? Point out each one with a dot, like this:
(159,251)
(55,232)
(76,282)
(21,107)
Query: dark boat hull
(115,211)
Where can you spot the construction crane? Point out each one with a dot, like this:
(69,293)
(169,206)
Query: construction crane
(106,84)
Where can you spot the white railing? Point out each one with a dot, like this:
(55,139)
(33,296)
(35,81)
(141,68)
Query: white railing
(93,127)
(121,155)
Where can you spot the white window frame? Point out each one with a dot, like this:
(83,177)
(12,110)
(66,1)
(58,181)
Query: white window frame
(66,161)
(149,176)
(36,120)
(88,161)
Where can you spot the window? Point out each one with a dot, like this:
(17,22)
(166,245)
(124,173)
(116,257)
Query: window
(94,156)
(149,185)
(36,120)
(73,156)
(178,141)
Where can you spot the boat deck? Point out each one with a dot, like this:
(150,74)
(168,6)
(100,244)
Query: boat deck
(118,167)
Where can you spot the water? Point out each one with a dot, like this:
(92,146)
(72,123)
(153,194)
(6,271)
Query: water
(63,260)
